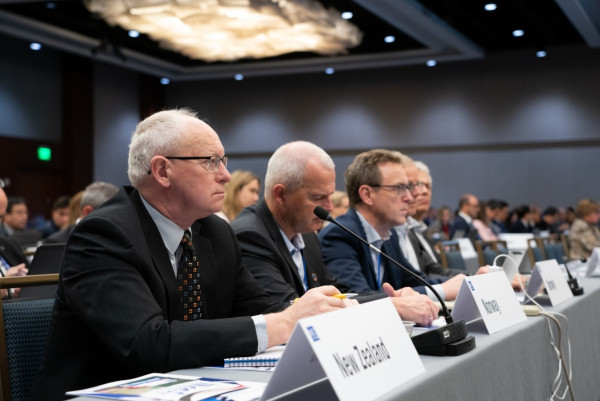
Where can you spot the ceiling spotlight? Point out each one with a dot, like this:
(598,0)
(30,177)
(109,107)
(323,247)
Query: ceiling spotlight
(541,53)
(431,63)
(518,33)
(490,7)
(133,34)
(329,71)
(165,81)
(347,15)
(35,46)
(50,6)
(389,39)
(238,77)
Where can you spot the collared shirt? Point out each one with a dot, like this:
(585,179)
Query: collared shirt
(374,239)
(467,218)
(171,235)
(295,247)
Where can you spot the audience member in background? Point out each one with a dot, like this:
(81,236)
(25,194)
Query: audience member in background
(59,218)
(499,212)
(439,229)
(122,307)
(584,235)
(379,193)
(340,203)
(12,260)
(15,218)
(93,196)
(423,201)
(522,223)
(242,191)
(277,236)
(468,209)
(483,223)
(535,217)
(75,207)
(548,221)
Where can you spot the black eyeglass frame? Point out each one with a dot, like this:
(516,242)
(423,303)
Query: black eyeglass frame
(400,188)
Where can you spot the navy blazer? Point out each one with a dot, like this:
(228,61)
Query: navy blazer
(350,259)
(117,304)
(460,225)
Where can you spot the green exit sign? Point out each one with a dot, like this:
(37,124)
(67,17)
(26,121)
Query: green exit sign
(44,153)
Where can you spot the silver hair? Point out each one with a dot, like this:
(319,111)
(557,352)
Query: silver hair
(286,165)
(97,193)
(161,133)
(423,167)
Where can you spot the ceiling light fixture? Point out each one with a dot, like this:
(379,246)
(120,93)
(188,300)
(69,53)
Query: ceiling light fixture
(229,30)
(329,70)
(347,15)
(35,46)
(431,63)
(133,34)
(541,53)
(238,77)
(50,6)
(490,7)
(165,81)
(389,39)
(518,33)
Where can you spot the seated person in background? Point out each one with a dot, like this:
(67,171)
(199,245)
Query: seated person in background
(15,217)
(75,208)
(242,191)
(340,203)
(379,194)
(584,235)
(12,260)
(468,209)
(439,229)
(93,196)
(497,214)
(483,223)
(522,223)
(123,306)
(277,236)
(549,220)
(59,218)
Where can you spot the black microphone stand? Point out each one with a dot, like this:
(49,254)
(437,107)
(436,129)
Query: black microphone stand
(449,340)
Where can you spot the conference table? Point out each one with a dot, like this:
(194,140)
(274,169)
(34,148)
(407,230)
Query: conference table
(517,363)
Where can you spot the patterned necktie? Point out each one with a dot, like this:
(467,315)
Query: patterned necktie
(188,280)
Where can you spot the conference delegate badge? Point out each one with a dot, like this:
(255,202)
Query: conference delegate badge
(363,351)
(491,298)
(548,273)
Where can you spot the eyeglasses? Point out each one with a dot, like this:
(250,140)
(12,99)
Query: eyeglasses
(401,189)
(213,164)
(421,185)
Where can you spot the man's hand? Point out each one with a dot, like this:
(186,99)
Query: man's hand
(315,301)
(18,270)
(452,285)
(412,306)
(518,282)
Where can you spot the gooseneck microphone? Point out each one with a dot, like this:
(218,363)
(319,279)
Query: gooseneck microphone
(448,340)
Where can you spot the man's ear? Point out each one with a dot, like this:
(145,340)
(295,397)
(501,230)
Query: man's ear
(87,209)
(279,193)
(366,194)
(160,169)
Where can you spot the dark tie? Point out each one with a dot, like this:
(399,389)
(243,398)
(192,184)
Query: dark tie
(188,280)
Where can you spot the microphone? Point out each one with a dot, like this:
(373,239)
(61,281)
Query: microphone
(449,340)
(572,281)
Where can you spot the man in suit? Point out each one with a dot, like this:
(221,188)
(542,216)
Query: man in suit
(379,194)
(15,216)
(94,195)
(277,236)
(468,209)
(152,282)
(12,260)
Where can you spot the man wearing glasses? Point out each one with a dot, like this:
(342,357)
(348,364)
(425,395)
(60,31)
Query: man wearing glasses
(152,281)
(379,193)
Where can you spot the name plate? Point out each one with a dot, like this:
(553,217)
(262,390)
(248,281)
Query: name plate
(593,263)
(491,298)
(364,352)
(548,272)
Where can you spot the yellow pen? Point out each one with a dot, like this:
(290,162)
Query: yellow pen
(340,296)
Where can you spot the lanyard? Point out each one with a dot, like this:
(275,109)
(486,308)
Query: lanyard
(379,277)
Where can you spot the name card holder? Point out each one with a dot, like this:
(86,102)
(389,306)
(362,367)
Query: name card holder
(593,264)
(491,298)
(548,273)
(363,351)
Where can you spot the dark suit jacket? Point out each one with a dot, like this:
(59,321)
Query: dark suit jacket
(461,227)
(426,263)
(350,259)
(60,237)
(11,252)
(117,302)
(265,254)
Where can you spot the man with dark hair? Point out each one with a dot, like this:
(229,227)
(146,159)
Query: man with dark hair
(468,208)
(15,218)
(12,259)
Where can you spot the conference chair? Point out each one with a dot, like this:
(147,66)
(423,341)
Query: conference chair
(450,255)
(553,248)
(23,329)
(564,238)
(488,250)
(535,250)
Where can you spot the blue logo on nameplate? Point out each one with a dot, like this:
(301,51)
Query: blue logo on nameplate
(471,285)
(313,333)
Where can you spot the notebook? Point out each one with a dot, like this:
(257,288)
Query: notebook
(46,260)
(266,359)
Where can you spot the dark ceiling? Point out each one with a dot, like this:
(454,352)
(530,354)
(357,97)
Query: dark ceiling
(441,30)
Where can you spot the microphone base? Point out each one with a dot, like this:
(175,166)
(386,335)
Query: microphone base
(575,288)
(449,340)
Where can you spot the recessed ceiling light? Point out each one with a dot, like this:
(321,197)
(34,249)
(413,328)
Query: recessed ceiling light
(238,77)
(389,39)
(35,46)
(490,7)
(165,81)
(541,53)
(133,34)
(431,63)
(329,70)
(50,5)
(347,15)
(518,32)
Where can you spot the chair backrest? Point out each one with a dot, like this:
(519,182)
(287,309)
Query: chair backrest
(535,249)
(450,255)
(23,331)
(488,250)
